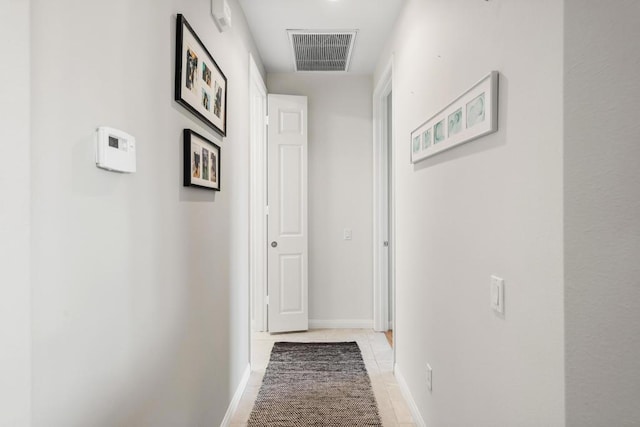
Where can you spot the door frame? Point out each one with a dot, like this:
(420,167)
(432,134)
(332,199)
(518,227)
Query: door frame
(382,146)
(257,198)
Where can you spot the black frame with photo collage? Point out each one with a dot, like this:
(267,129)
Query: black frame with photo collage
(204,168)
(181,24)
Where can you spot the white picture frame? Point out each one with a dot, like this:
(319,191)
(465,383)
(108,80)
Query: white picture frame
(470,116)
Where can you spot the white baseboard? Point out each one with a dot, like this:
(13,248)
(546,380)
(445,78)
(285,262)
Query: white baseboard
(226,421)
(404,388)
(341,324)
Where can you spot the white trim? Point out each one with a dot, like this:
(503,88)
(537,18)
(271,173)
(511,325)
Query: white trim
(381,145)
(340,323)
(226,421)
(408,397)
(257,198)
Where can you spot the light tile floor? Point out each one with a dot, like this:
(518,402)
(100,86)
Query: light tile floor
(377,356)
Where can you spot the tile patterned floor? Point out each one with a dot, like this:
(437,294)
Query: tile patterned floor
(377,355)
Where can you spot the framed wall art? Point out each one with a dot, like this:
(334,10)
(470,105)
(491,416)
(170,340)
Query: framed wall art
(201,86)
(201,161)
(470,116)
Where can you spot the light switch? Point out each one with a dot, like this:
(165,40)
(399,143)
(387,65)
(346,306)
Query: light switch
(497,294)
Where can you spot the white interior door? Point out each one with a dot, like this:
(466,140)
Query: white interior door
(287,221)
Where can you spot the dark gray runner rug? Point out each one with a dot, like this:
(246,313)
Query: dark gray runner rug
(315,384)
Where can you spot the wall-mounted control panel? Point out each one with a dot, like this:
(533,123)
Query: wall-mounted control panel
(115,150)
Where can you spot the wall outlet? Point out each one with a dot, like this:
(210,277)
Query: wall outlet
(429,378)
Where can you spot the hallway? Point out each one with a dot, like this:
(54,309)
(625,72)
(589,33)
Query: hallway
(377,355)
(125,297)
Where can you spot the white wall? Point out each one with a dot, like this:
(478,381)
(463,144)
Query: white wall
(140,286)
(493,206)
(15,290)
(340,167)
(602,213)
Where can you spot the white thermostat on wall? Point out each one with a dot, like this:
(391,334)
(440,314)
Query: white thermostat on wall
(115,150)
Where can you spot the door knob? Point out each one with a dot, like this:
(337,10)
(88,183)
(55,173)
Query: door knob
(274,244)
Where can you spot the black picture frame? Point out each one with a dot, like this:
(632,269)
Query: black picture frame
(201,166)
(200,85)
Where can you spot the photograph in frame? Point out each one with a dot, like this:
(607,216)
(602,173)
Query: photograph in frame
(200,84)
(416,143)
(426,139)
(475,111)
(201,161)
(438,131)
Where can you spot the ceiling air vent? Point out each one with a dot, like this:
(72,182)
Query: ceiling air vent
(322,50)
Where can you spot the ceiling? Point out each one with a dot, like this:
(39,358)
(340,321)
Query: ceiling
(269,21)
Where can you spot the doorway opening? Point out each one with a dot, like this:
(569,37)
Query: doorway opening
(383,202)
(383,215)
(387,204)
(278,209)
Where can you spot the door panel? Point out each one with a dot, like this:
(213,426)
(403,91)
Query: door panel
(287,222)
(291,192)
(291,297)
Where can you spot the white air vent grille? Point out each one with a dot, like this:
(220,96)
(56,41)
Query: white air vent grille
(322,50)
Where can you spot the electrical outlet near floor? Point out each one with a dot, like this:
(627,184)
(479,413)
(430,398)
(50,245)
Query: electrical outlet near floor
(429,378)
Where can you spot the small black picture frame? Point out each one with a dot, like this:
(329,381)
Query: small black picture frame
(200,84)
(201,166)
